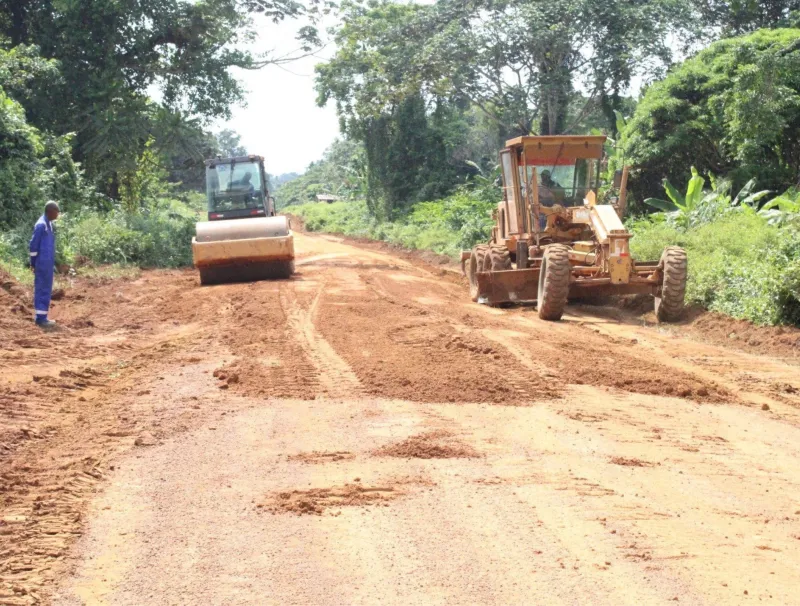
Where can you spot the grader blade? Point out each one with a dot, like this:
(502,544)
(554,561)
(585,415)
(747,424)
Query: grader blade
(510,286)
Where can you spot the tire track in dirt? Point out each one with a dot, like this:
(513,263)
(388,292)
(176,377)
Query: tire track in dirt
(45,483)
(558,353)
(268,359)
(335,377)
(73,399)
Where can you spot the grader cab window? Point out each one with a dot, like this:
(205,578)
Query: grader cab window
(508,180)
(567,184)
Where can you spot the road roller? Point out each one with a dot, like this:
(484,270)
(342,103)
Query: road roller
(243,240)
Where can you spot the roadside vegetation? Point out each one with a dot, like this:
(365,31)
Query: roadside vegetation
(716,168)
(424,104)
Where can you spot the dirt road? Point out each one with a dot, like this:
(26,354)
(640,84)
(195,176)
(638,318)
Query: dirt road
(364,434)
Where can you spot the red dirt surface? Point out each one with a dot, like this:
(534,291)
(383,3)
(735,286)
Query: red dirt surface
(428,445)
(166,411)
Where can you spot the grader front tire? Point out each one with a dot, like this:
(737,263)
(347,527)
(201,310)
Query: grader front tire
(476,263)
(554,282)
(670,298)
(497,259)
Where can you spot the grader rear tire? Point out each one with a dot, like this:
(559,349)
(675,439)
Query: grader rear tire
(670,298)
(497,259)
(476,262)
(553,282)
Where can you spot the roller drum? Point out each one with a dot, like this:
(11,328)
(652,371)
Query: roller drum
(242,229)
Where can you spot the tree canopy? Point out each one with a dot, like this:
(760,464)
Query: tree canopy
(126,72)
(734,109)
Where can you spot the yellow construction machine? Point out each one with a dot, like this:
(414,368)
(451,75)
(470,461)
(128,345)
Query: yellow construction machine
(553,242)
(242,240)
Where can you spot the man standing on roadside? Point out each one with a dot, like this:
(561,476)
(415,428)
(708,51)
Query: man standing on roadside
(43,262)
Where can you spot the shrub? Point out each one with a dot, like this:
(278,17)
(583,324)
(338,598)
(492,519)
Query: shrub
(732,109)
(155,239)
(738,265)
(444,226)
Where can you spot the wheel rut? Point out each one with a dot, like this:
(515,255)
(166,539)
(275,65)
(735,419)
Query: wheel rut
(335,376)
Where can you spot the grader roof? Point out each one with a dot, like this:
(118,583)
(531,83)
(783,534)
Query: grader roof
(541,150)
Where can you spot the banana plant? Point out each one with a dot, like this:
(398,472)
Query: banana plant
(702,206)
(678,202)
(784,209)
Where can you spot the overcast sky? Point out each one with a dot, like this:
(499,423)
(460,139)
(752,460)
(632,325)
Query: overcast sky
(281,120)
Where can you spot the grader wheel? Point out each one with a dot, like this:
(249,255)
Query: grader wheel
(497,259)
(669,300)
(476,262)
(554,282)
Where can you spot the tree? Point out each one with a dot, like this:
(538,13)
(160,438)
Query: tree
(340,172)
(113,54)
(520,62)
(416,140)
(524,61)
(734,109)
(34,165)
(741,17)
(229,144)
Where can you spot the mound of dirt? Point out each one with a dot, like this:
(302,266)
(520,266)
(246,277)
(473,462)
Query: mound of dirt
(397,351)
(630,462)
(632,373)
(321,457)
(429,445)
(13,298)
(317,500)
(742,334)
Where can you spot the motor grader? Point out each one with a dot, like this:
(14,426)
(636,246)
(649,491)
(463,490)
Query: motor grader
(552,241)
(242,240)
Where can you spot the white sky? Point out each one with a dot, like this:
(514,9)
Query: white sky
(281,120)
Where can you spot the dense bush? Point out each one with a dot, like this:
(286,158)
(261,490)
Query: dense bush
(34,167)
(738,265)
(734,110)
(158,238)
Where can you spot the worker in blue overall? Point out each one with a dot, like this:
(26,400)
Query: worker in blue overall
(43,262)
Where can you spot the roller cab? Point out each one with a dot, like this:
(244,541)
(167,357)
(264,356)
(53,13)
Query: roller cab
(242,240)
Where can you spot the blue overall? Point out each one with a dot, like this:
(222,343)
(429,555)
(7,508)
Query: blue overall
(43,261)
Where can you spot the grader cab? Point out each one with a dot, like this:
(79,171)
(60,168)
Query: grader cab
(552,241)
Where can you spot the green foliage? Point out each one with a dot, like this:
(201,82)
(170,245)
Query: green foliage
(700,206)
(735,18)
(34,167)
(444,226)
(738,264)
(155,239)
(341,172)
(229,144)
(145,184)
(519,62)
(105,58)
(734,109)
(783,209)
